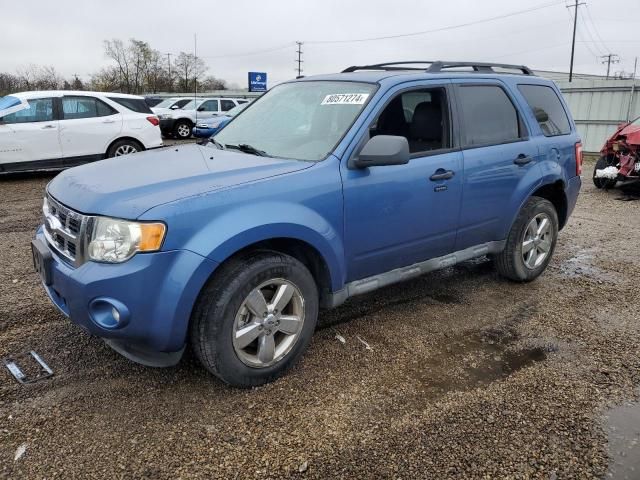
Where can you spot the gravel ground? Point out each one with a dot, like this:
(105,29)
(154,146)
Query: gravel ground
(459,374)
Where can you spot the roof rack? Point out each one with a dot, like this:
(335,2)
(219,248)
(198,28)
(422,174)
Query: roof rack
(436,66)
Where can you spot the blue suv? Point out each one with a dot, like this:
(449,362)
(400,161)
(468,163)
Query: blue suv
(325,188)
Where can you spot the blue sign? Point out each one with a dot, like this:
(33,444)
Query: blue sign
(257,82)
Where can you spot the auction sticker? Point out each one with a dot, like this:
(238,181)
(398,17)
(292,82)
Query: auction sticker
(345,99)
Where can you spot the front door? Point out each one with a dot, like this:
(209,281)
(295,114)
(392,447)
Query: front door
(403,214)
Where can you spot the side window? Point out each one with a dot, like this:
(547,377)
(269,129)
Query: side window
(421,116)
(488,116)
(227,105)
(40,110)
(240,102)
(103,109)
(547,109)
(182,103)
(137,105)
(209,106)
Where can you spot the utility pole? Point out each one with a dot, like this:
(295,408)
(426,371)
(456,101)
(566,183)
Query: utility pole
(573,42)
(610,58)
(299,60)
(169,63)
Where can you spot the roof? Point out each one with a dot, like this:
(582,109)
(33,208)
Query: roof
(60,93)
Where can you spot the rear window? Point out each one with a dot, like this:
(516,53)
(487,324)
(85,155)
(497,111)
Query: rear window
(488,115)
(134,104)
(547,109)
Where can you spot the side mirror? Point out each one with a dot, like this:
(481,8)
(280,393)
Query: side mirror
(382,150)
(201,109)
(174,107)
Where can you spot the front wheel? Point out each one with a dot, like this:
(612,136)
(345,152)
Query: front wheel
(255,318)
(531,241)
(599,182)
(182,129)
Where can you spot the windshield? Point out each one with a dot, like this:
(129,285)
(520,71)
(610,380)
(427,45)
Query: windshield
(192,104)
(166,103)
(236,110)
(301,120)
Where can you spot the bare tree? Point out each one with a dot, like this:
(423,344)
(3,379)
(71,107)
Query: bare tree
(211,83)
(189,69)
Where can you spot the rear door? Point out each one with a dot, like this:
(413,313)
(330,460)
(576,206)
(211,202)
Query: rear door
(87,127)
(31,135)
(557,142)
(498,157)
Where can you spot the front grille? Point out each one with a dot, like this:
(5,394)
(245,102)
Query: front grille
(65,230)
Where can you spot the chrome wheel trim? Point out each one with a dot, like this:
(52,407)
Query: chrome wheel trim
(184,130)
(537,241)
(268,323)
(125,149)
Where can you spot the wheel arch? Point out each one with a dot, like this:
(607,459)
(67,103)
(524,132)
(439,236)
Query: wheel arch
(555,193)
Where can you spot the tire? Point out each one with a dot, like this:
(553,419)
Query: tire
(227,302)
(182,129)
(524,264)
(124,147)
(605,183)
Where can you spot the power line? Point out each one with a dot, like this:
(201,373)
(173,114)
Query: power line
(595,29)
(592,38)
(248,54)
(441,29)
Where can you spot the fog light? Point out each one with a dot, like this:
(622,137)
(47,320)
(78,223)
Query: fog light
(108,313)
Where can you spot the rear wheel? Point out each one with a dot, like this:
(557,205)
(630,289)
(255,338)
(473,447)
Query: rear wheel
(530,243)
(605,183)
(124,147)
(182,129)
(254,320)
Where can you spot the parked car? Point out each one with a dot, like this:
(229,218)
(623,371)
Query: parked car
(58,129)
(173,103)
(620,157)
(152,101)
(179,123)
(233,247)
(210,126)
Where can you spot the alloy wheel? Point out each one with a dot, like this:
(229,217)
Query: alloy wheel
(268,323)
(537,241)
(125,150)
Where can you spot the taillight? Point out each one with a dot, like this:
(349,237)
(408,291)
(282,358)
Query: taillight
(579,158)
(153,121)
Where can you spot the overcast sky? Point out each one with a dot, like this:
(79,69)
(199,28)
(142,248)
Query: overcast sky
(69,34)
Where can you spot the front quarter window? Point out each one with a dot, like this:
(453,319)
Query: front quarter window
(300,120)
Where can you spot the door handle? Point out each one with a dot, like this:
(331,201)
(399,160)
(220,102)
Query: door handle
(522,159)
(46,127)
(109,121)
(441,174)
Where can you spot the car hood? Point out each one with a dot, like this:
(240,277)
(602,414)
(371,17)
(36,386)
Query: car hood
(11,104)
(128,186)
(162,111)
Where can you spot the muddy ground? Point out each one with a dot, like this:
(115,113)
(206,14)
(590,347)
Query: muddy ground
(466,376)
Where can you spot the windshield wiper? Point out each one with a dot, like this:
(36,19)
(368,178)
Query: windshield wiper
(246,148)
(217,143)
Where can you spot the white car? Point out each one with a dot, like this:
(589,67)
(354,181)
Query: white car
(173,103)
(178,123)
(49,130)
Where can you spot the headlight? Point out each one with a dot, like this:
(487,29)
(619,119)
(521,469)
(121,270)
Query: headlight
(164,116)
(115,241)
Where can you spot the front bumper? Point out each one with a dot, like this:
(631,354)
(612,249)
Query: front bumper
(201,132)
(158,290)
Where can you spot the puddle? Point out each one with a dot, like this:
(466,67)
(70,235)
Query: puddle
(581,266)
(622,425)
(476,361)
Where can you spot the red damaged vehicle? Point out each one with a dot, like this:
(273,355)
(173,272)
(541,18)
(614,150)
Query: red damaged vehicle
(620,160)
